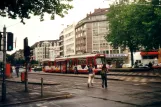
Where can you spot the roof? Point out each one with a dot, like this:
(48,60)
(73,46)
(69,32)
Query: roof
(35,44)
(97,12)
(80,56)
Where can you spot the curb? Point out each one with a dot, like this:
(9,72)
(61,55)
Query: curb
(33,82)
(42,99)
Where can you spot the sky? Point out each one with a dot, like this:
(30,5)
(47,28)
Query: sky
(49,29)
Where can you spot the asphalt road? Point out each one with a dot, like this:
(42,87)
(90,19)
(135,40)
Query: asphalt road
(118,93)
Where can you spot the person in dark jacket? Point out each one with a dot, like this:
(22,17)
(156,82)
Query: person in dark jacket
(150,66)
(90,76)
(104,76)
(75,69)
(17,70)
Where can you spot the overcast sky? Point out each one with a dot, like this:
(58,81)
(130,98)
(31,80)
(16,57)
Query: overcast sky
(49,29)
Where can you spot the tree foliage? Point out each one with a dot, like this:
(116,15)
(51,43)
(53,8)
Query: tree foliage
(134,26)
(24,8)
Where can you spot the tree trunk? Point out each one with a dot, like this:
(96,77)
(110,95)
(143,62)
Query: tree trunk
(132,57)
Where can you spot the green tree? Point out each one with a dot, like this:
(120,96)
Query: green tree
(24,8)
(134,26)
(123,27)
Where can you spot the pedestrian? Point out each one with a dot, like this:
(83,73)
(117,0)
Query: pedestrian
(150,66)
(104,76)
(11,70)
(17,70)
(75,69)
(90,76)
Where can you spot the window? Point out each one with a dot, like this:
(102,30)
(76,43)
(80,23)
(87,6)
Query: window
(82,61)
(100,60)
(91,60)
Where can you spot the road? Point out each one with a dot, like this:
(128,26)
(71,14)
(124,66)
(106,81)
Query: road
(118,93)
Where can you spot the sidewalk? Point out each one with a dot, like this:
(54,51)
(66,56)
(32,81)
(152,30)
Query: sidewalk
(16,92)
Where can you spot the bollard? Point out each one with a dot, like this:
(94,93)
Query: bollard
(41,87)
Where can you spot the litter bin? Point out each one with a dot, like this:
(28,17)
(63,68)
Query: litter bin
(22,76)
(8,70)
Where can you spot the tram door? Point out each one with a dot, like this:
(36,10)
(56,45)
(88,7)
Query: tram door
(63,67)
(69,66)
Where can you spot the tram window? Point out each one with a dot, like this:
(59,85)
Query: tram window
(82,61)
(70,63)
(91,61)
(58,64)
(100,60)
(52,63)
(149,57)
(45,63)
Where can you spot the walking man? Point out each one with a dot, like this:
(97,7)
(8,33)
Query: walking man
(17,70)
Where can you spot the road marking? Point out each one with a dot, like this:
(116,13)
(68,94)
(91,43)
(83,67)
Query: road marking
(143,80)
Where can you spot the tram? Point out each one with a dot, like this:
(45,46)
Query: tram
(81,62)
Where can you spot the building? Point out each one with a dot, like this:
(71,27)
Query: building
(61,44)
(19,54)
(69,40)
(90,34)
(48,49)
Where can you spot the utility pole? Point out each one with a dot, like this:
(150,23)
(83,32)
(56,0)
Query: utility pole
(4,65)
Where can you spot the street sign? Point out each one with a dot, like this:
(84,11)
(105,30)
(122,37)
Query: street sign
(1,56)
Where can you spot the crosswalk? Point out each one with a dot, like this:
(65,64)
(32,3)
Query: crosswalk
(135,79)
(136,73)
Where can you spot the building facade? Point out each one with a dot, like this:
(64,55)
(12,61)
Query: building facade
(61,44)
(69,40)
(43,50)
(19,55)
(90,34)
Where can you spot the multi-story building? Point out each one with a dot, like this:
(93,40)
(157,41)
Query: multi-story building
(61,44)
(19,54)
(48,49)
(91,32)
(69,40)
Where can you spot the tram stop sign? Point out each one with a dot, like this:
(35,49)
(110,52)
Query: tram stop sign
(1,56)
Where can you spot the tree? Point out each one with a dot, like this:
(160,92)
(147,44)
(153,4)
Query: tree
(122,30)
(134,26)
(24,8)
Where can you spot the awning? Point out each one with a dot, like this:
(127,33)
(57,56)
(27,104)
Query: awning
(148,53)
(116,55)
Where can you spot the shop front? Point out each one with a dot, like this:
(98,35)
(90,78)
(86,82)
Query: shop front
(116,59)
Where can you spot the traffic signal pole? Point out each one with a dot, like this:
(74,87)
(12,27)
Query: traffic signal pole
(26,54)
(4,65)
(26,77)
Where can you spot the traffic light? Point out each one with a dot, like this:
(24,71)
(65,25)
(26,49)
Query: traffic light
(26,48)
(9,41)
(27,51)
(25,42)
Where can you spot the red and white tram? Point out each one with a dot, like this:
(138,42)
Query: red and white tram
(67,64)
